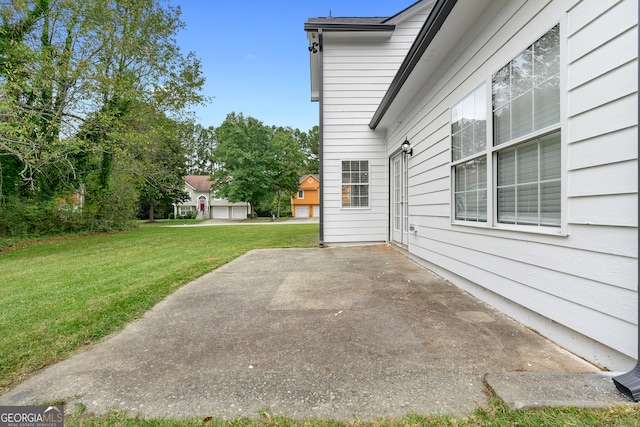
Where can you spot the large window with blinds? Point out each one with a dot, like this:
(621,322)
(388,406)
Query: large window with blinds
(523,147)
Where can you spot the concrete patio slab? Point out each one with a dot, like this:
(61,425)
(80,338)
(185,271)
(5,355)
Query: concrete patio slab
(340,333)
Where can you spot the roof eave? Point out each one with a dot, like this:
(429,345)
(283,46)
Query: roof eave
(432,25)
(347,27)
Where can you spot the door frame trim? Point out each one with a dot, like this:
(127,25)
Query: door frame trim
(390,201)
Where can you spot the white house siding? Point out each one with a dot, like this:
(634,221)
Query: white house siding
(356,75)
(578,287)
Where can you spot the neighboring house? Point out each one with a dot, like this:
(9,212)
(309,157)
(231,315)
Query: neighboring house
(519,179)
(306,203)
(204,202)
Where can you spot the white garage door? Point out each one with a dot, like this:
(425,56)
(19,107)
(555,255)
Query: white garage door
(220,212)
(239,212)
(302,211)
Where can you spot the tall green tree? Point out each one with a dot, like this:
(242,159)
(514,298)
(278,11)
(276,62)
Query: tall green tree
(242,157)
(37,78)
(255,163)
(71,72)
(287,164)
(140,64)
(310,146)
(160,162)
(199,143)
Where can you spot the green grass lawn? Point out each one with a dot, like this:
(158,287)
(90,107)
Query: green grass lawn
(68,293)
(498,415)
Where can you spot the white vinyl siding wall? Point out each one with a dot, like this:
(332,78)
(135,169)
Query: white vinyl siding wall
(577,284)
(356,76)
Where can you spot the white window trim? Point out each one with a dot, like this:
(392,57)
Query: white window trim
(463,160)
(368,184)
(491,152)
(299,194)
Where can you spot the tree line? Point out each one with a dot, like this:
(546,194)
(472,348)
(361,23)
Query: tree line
(95,100)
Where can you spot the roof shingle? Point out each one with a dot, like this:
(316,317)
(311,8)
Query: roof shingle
(199,182)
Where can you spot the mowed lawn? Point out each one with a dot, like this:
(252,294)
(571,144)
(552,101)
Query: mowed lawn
(59,296)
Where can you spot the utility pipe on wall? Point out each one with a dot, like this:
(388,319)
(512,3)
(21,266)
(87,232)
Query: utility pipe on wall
(629,384)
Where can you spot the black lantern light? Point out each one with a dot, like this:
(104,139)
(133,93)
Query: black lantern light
(406,147)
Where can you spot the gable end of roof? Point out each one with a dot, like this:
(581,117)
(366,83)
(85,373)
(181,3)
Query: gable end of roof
(198,182)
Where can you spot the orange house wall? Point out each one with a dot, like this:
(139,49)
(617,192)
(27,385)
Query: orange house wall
(311,195)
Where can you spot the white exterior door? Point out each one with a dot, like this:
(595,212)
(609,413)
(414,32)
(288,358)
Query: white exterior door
(302,211)
(399,199)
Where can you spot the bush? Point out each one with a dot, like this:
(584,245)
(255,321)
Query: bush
(29,218)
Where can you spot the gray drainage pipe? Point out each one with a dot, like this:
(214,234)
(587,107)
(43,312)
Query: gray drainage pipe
(629,384)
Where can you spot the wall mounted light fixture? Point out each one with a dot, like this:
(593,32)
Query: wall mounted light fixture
(406,147)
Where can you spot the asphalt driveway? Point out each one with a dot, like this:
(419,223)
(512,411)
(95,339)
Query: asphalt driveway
(338,333)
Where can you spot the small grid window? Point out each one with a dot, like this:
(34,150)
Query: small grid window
(355,183)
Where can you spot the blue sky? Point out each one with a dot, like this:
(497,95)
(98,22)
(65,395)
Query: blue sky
(254,54)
